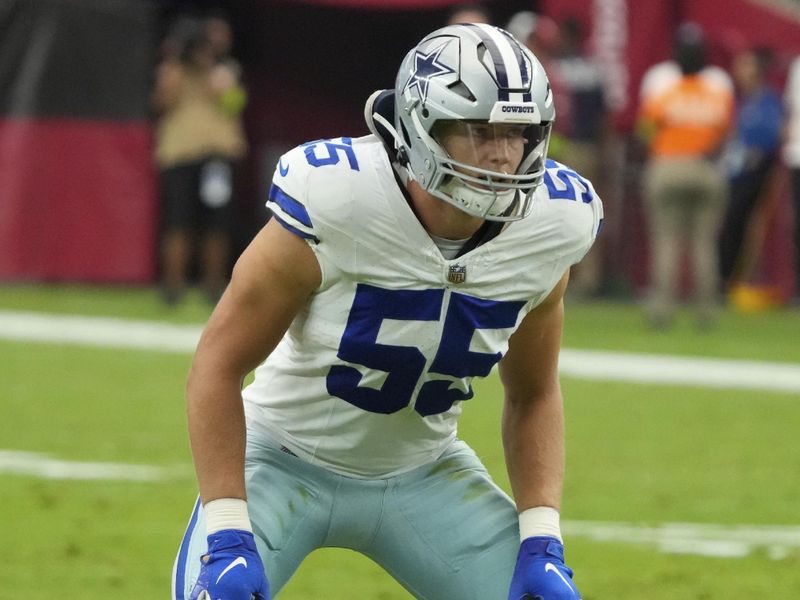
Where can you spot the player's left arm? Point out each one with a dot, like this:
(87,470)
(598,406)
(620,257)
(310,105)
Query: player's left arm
(533,421)
(533,439)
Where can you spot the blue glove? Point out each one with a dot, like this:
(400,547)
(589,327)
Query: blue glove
(540,573)
(232,569)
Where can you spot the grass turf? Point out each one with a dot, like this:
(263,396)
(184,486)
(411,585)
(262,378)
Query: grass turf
(636,453)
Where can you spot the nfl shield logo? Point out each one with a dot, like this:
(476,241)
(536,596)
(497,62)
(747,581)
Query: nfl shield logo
(457,274)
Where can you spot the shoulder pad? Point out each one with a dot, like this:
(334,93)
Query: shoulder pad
(563,183)
(318,168)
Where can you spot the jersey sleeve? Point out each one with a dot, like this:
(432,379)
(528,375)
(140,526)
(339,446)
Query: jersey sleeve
(579,207)
(318,193)
(288,196)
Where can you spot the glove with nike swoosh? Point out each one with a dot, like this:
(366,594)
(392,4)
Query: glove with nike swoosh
(232,569)
(540,573)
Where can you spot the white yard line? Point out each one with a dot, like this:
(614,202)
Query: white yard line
(580,364)
(98,331)
(45,467)
(680,370)
(707,539)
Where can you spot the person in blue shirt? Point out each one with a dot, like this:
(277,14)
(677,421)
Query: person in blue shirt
(751,155)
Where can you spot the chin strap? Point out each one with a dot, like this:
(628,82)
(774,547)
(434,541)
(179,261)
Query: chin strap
(400,152)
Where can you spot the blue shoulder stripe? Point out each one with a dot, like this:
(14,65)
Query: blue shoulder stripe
(289,205)
(295,230)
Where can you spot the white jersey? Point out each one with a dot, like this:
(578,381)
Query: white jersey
(370,378)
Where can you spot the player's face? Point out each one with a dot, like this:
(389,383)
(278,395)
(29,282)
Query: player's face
(491,146)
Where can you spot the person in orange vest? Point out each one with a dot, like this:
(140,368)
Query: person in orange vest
(684,117)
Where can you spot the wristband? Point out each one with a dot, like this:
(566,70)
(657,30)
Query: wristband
(226,513)
(539,521)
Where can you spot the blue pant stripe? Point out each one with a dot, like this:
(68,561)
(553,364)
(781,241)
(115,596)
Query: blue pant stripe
(180,569)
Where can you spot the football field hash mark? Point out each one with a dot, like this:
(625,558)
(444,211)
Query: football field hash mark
(580,364)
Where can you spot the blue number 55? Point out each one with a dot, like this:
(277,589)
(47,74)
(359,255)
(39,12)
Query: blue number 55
(405,365)
(334,151)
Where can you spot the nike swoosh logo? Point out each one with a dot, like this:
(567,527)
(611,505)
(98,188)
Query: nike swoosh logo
(283,170)
(554,569)
(239,561)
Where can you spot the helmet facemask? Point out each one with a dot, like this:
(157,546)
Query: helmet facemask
(503,193)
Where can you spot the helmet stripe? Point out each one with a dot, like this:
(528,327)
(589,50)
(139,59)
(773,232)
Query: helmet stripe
(525,75)
(501,74)
(523,66)
(511,69)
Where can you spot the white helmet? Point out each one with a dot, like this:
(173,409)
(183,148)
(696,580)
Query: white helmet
(471,73)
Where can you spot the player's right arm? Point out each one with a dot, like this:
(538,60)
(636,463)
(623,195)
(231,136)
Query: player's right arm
(271,282)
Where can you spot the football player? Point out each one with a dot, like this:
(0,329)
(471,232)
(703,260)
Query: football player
(397,267)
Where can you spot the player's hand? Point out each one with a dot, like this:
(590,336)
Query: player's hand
(540,573)
(232,569)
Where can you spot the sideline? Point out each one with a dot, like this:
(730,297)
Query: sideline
(706,539)
(580,364)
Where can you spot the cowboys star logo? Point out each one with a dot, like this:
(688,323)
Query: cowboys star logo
(426,67)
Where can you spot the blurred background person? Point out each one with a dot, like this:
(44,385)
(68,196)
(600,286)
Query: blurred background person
(469,12)
(583,134)
(199,136)
(580,132)
(750,156)
(540,34)
(227,73)
(684,117)
(791,156)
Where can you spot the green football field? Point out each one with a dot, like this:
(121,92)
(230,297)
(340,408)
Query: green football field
(673,491)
